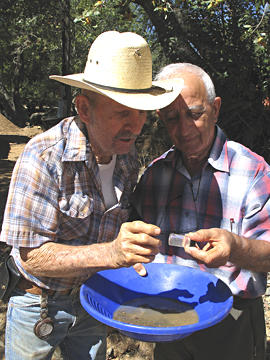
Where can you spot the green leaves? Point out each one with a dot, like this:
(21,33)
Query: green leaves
(228,38)
(87,15)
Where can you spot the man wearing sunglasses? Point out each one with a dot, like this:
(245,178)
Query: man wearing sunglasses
(215,191)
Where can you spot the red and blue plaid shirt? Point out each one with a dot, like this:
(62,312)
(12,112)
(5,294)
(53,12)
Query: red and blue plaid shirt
(55,195)
(231,193)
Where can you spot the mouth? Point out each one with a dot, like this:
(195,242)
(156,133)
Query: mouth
(126,138)
(188,140)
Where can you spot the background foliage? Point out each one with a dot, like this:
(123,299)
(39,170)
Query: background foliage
(229,39)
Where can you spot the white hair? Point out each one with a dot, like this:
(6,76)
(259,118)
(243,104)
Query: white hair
(174,71)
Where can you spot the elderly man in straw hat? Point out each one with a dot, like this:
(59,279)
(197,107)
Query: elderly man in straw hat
(69,197)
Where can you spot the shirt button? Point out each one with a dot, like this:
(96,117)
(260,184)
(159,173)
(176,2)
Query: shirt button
(81,213)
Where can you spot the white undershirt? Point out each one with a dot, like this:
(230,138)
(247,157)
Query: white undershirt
(106,176)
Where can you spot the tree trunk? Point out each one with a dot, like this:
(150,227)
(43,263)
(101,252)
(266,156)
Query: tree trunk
(19,111)
(6,102)
(171,34)
(64,105)
(11,103)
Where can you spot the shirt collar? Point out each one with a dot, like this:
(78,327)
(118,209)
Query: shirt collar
(76,141)
(219,157)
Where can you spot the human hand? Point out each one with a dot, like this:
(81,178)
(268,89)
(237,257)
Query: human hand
(135,243)
(217,251)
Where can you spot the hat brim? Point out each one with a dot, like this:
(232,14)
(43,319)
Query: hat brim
(161,94)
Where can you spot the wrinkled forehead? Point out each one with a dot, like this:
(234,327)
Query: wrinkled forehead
(193,87)
(193,95)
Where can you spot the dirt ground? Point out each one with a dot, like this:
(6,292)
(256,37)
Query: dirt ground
(119,347)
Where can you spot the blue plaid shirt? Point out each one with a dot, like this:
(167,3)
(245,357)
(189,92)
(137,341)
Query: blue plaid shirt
(231,193)
(55,195)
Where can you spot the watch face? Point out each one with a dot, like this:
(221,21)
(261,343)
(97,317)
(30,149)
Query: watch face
(43,328)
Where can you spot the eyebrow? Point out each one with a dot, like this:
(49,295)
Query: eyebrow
(121,111)
(197,107)
(191,108)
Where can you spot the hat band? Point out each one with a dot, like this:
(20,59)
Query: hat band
(122,90)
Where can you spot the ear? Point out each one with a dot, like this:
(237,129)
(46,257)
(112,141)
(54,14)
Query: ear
(83,108)
(216,107)
(160,114)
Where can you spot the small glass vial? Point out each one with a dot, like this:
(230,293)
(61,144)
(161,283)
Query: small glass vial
(180,240)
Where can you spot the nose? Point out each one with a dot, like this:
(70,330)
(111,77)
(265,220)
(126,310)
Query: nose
(184,124)
(136,121)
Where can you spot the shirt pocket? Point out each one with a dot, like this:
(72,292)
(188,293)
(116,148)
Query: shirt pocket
(75,211)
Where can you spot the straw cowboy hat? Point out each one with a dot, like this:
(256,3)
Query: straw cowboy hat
(119,65)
